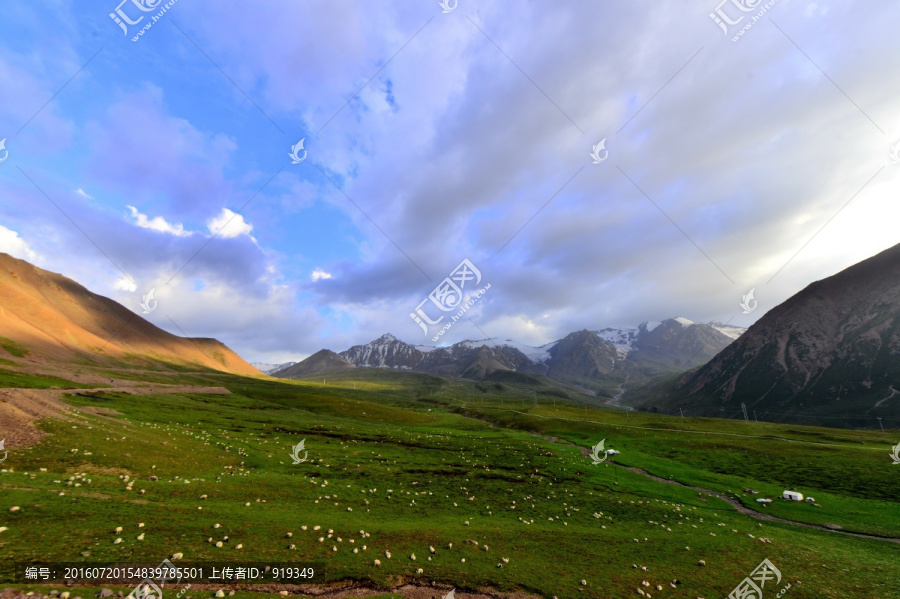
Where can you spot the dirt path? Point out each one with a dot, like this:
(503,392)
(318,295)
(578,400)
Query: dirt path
(878,405)
(740,507)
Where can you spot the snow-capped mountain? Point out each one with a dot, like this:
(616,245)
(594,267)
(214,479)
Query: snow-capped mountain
(601,360)
(270,368)
(622,339)
(466,358)
(386,351)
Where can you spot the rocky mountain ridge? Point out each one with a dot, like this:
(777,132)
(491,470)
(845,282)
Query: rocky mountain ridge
(598,360)
(828,353)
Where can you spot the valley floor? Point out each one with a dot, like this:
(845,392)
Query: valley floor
(413,486)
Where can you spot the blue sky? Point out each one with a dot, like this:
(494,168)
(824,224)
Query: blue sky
(762,163)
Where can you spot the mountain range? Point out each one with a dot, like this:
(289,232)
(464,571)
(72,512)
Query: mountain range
(829,355)
(601,361)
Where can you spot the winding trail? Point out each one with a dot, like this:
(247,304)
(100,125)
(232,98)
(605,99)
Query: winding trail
(737,505)
(878,405)
(741,508)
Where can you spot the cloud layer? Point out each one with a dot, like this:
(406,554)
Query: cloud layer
(762,163)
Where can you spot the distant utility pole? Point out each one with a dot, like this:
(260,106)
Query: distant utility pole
(754,416)
(879,423)
(744,408)
(682,412)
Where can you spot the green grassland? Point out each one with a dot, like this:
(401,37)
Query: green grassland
(11,347)
(21,380)
(491,475)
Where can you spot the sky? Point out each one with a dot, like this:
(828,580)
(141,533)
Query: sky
(597,163)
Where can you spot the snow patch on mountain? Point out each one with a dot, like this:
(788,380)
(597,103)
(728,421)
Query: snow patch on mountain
(535,354)
(650,325)
(622,339)
(389,352)
(270,368)
(730,331)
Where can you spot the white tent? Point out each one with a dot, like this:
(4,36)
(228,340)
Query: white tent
(792,496)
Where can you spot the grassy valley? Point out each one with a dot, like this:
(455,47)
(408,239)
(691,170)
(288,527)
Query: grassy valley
(486,484)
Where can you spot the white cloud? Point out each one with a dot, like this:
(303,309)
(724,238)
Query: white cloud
(319,274)
(229,224)
(125,284)
(250,321)
(15,246)
(157,223)
(83,193)
(452,151)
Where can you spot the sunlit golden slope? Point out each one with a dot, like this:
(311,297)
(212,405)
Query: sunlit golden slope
(58,319)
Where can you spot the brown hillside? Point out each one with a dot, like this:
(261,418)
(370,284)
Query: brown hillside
(828,355)
(58,319)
